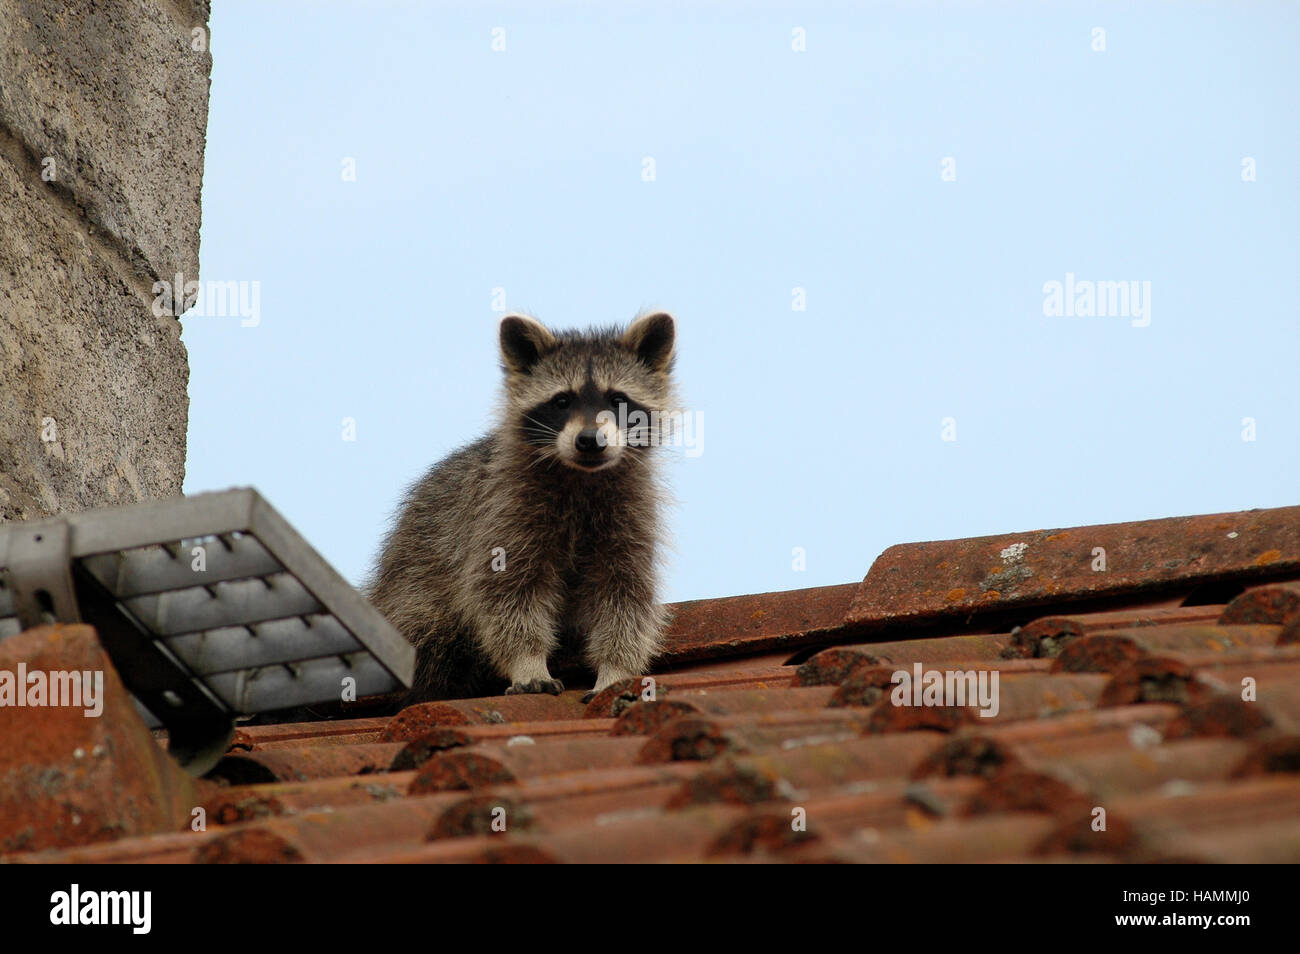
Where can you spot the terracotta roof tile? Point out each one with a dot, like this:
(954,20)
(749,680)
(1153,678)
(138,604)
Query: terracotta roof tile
(925,582)
(646,717)
(1109,651)
(309,761)
(66,779)
(1164,689)
(247,802)
(1048,635)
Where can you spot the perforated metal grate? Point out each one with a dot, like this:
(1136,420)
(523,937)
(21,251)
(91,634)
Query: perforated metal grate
(210,606)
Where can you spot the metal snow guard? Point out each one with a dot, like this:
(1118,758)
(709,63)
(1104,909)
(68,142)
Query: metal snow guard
(210,607)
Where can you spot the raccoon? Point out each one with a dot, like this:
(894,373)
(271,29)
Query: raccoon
(548,531)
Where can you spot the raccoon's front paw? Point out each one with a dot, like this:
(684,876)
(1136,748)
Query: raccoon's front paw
(553,686)
(588,696)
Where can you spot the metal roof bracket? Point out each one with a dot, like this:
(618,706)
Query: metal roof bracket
(35,568)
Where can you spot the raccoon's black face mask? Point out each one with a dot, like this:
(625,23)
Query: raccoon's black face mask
(587,398)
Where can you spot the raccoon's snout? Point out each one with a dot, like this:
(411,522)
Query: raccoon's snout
(589,447)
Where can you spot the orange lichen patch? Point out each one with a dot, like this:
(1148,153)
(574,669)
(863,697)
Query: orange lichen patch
(955,595)
(915,818)
(1268,556)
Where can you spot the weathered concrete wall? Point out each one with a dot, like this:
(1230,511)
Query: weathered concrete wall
(103,112)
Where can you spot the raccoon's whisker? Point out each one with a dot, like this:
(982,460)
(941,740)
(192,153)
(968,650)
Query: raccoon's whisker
(540,428)
(637,460)
(540,424)
(539,458)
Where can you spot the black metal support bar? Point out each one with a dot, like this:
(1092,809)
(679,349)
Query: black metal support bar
(199,726)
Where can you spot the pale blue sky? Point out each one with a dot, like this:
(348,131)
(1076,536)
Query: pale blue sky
(775,169)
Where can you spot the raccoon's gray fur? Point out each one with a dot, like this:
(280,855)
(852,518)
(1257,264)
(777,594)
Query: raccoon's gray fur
(549,528)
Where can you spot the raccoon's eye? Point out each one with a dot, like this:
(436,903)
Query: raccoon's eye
(618,398)
(562,400)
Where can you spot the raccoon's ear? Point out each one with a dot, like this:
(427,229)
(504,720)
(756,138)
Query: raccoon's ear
(523,341)
(651,338)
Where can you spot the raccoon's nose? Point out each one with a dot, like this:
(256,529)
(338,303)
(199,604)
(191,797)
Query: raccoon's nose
(588,441)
